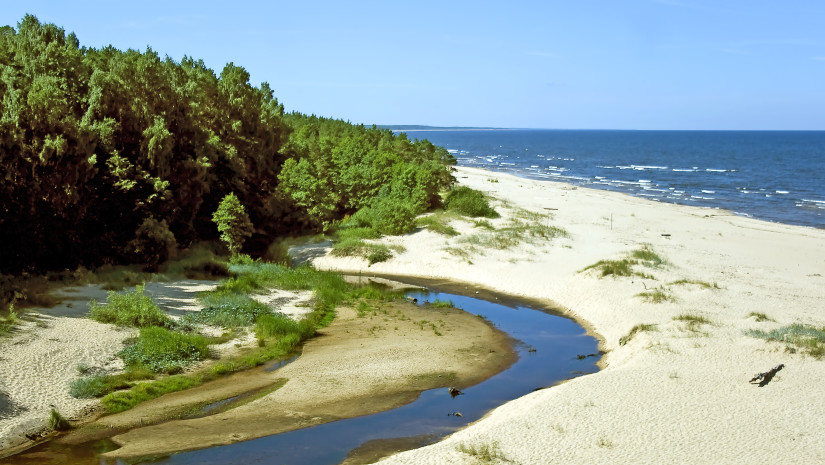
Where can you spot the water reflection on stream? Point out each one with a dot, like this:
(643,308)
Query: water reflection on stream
(551,349)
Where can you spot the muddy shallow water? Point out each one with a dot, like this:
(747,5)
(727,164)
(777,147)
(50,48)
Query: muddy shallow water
(551,348)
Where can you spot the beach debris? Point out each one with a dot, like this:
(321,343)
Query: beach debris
(454,391)
(412,299)
(531,349)
(764,378)
(666,235)
(455,414)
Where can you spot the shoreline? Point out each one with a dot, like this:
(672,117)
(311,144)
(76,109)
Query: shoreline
(674,392)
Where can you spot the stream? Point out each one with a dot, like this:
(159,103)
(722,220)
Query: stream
(551,348)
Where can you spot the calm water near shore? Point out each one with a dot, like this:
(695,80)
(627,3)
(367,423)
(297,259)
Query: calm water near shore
(771,175)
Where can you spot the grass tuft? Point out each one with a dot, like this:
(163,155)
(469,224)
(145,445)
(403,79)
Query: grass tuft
(57,422)
(437,224)
(694,322)
(703,284)
(634,330)
(657,296)
(484,453)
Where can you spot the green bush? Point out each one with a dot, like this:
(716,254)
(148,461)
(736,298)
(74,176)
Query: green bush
(164,351)
(132,308)
(469,202)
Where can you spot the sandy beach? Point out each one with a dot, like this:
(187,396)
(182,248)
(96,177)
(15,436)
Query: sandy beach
(676,393)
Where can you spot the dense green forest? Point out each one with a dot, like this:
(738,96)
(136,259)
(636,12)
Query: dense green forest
(110,156)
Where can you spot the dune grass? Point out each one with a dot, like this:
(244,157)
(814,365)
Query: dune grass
(635,330)
(483,453)
(694,322)
(807,338)
(437,223)
(760,317)
(657,296)
(625,267)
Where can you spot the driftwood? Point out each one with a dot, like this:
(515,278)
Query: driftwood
(764,378)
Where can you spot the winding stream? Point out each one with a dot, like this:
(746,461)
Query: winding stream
(551,348)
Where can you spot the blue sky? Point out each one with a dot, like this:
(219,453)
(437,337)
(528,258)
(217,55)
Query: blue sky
(598,64)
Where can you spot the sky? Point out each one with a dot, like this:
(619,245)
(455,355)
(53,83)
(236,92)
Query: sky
(584,64)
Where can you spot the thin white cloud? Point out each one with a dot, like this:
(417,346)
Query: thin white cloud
(819,58)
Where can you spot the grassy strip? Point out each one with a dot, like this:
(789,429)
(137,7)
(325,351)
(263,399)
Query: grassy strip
(809,339)
(694,322)
(703,284)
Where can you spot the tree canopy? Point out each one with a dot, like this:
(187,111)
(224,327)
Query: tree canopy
(110,156)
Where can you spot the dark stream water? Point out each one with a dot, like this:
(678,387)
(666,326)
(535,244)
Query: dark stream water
(551,348)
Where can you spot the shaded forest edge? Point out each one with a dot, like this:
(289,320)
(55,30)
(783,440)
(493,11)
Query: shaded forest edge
(112,157)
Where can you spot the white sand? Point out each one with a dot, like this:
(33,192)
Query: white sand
(672,395)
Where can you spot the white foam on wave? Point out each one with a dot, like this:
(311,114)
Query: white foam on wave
(708,192)
(684,170)
(782,192)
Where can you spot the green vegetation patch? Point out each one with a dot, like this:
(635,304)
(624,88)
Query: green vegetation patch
(164,351)
(228,310)
(90,387)
(635,330)
(809,339)
(120,401)
(8,322)
(437,224)
(131,308)
(469,202)
(625,267)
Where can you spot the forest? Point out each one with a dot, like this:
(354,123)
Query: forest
(116,157)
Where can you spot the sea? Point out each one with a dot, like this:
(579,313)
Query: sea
(777,176)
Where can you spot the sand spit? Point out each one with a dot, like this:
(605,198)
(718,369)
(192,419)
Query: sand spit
(676,393)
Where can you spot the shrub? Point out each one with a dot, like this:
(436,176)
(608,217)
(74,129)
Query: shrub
(469,202)
(164,351)
(132,308)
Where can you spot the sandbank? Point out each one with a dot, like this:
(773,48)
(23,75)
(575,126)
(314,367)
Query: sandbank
(678,393)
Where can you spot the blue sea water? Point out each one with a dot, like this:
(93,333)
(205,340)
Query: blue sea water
(771,175)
